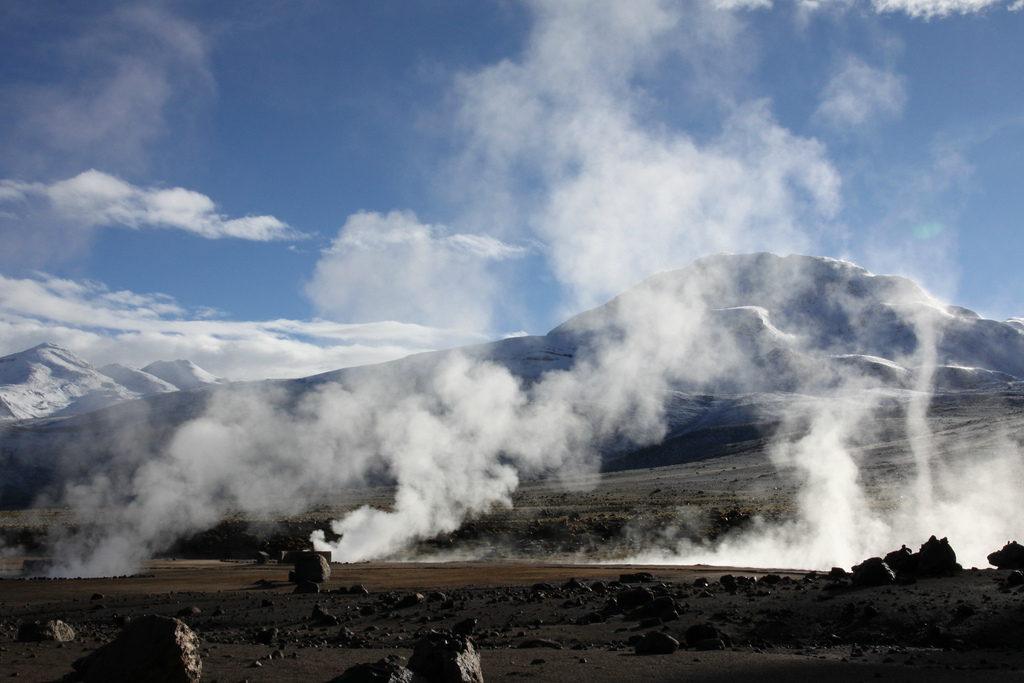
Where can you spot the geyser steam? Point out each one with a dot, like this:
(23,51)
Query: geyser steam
(456,431)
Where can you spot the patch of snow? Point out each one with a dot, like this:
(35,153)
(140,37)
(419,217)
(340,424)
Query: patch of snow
(183,374)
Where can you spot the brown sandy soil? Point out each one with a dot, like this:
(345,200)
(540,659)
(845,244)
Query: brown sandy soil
(966,627)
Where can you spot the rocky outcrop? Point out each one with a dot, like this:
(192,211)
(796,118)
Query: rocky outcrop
(153,648)
(1011,556)
(37,631)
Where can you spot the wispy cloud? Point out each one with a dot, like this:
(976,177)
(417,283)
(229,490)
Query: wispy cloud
(928,9)
(107,326)
(858,94)
(95,199)
(114,76)
(393,266)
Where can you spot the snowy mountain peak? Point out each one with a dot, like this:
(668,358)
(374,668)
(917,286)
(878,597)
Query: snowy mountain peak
(183,374)
(136,380)
(49,380)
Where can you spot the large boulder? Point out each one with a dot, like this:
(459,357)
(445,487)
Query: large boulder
(36,631)
(936,557)
(154,649)
(444,657)
(311,567)
(1010,557)
(873,572)
(381,672)
(656,643)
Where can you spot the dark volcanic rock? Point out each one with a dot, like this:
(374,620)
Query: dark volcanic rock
(630,598)
(656,643)
(381,672)
(902,561)
(410,600)
(152,648)
(446,658)
(873,572)
(657,608)
(312,567)
(540,642)
(36,631)
(266,636)
(306,587)
(1011,556)
(936,557)
(698,634)
(639,577)
(464,627)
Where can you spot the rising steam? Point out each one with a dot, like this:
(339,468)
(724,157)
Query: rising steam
(556,140)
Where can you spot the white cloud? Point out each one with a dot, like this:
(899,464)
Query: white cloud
(95,199)
(928,9)
(392,266)
(858,94)
(559,136)
(106,326)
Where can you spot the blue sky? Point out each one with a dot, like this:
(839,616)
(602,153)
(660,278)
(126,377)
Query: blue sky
(277,189)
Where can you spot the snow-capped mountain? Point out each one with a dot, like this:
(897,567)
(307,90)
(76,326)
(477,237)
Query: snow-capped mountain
(764,323)
(183,374)
(137,381)
(49,381)
(728,347)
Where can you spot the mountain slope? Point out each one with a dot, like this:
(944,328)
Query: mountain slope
(183,374)
(48,380)
(137,381)
(722,353)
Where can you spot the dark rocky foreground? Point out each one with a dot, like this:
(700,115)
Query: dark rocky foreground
(543,622)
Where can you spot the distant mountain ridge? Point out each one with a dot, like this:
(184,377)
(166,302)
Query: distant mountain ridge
(737,344)
(49,381)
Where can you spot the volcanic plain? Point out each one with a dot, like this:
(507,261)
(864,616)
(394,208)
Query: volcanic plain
(547,585)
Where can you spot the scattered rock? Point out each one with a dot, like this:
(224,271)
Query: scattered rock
(311,567)
(464,627)
(410,600)
(1015,578)
(383,671)
(657,608)
(656,643)
(902,561)
(266,636)
(37,631)
(153,648)
(701,634)
(446,658)
(306,587)
(639,577)
(936,557)
(189,611)
(1011,556)
(631,598)
(540,642)
(873,572)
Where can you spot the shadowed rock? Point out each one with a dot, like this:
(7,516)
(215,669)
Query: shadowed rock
(37,631)
(446,658)
(1011,556)
(873,572)
(656,643)
(382,671)
(152,648)
(312,567)
(936,557)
